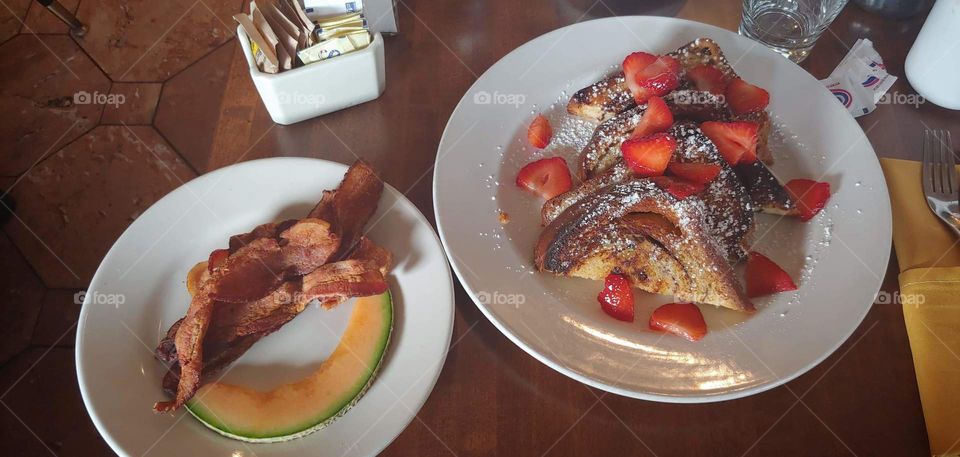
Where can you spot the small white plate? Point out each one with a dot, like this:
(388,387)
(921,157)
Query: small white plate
(838,258)
(139,290)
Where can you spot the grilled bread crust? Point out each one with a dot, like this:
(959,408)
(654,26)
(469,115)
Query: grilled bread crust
(661,244)
(610,96)
(729,210)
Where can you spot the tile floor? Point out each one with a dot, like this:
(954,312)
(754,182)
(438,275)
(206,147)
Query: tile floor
(95,130)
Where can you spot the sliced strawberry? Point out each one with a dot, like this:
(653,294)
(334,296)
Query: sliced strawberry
(648,75)
(736,141)
(616,298)
(744,97)
(656,118)
(540,132)
(681,319)
(765,277)
(217,256)
(809,195)
(633,64)
(702,173)
(679,188)
(545,177)
(708,78)
(649,156)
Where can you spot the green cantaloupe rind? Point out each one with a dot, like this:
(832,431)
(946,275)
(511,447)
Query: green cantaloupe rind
(209,418)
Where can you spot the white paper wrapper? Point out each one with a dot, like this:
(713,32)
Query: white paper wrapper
(861,79)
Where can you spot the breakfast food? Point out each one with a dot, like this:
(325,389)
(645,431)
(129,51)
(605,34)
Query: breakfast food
(265,278)
(671,180)
(298,408)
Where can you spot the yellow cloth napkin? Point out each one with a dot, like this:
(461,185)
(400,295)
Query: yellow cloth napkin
(929,257)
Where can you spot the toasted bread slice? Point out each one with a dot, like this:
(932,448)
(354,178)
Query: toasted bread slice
(661,244)
(610,96)
(729,210)
(603,151)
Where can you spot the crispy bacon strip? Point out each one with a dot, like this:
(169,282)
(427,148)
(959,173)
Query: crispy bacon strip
(350,207)
(268,230)
(189,341)
(336,282)
(306,245)
(240,302)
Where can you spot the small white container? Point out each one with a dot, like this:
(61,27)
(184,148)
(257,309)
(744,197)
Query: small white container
(934,58)
(322,87)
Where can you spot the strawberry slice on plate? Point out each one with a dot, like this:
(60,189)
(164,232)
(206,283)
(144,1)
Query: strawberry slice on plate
(744,97)
(616,298)
(649,156)
(656,118)
(545,177)
(764,277)
(707,78)
(810,196)
(701,173)
(679,188)
(649,75)
(681,319)
(539,133)
(736,141)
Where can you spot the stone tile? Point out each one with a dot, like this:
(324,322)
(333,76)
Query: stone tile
(21,293)
(58,318)
(46,415)
(41,90)
(189,108)
(70,218)
(11,17)
(143,40)
(41,20)
(134,104)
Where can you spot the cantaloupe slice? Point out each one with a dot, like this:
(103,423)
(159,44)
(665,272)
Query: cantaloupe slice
(301,407)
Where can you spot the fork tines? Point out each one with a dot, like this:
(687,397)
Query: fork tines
(939,165)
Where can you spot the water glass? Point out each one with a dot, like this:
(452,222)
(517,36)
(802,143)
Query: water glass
(790,27)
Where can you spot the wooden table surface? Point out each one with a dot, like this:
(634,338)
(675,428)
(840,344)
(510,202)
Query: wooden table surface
(492,398)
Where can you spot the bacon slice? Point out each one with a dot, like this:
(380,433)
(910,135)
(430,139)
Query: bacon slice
(270,275)
(350,207)
(268,230)
(189,343)
(335,282)
(250,273)
(306,245)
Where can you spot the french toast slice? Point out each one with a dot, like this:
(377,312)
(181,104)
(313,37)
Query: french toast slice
(610,96)
(728,206)
(603,151)
(659,243)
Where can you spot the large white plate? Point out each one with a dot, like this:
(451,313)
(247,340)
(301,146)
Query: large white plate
(120,379)
(839,258)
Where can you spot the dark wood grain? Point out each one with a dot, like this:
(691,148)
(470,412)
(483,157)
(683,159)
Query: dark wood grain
(492,399)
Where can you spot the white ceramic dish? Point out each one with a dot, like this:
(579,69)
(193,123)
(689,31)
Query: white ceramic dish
(321,87)
(838,258)
(119,378)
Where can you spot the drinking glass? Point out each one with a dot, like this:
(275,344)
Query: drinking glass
(790,27)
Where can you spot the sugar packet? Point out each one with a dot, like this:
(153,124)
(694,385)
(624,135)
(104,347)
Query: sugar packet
(860,79)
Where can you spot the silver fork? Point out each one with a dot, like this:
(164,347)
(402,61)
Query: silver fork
(940,180)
